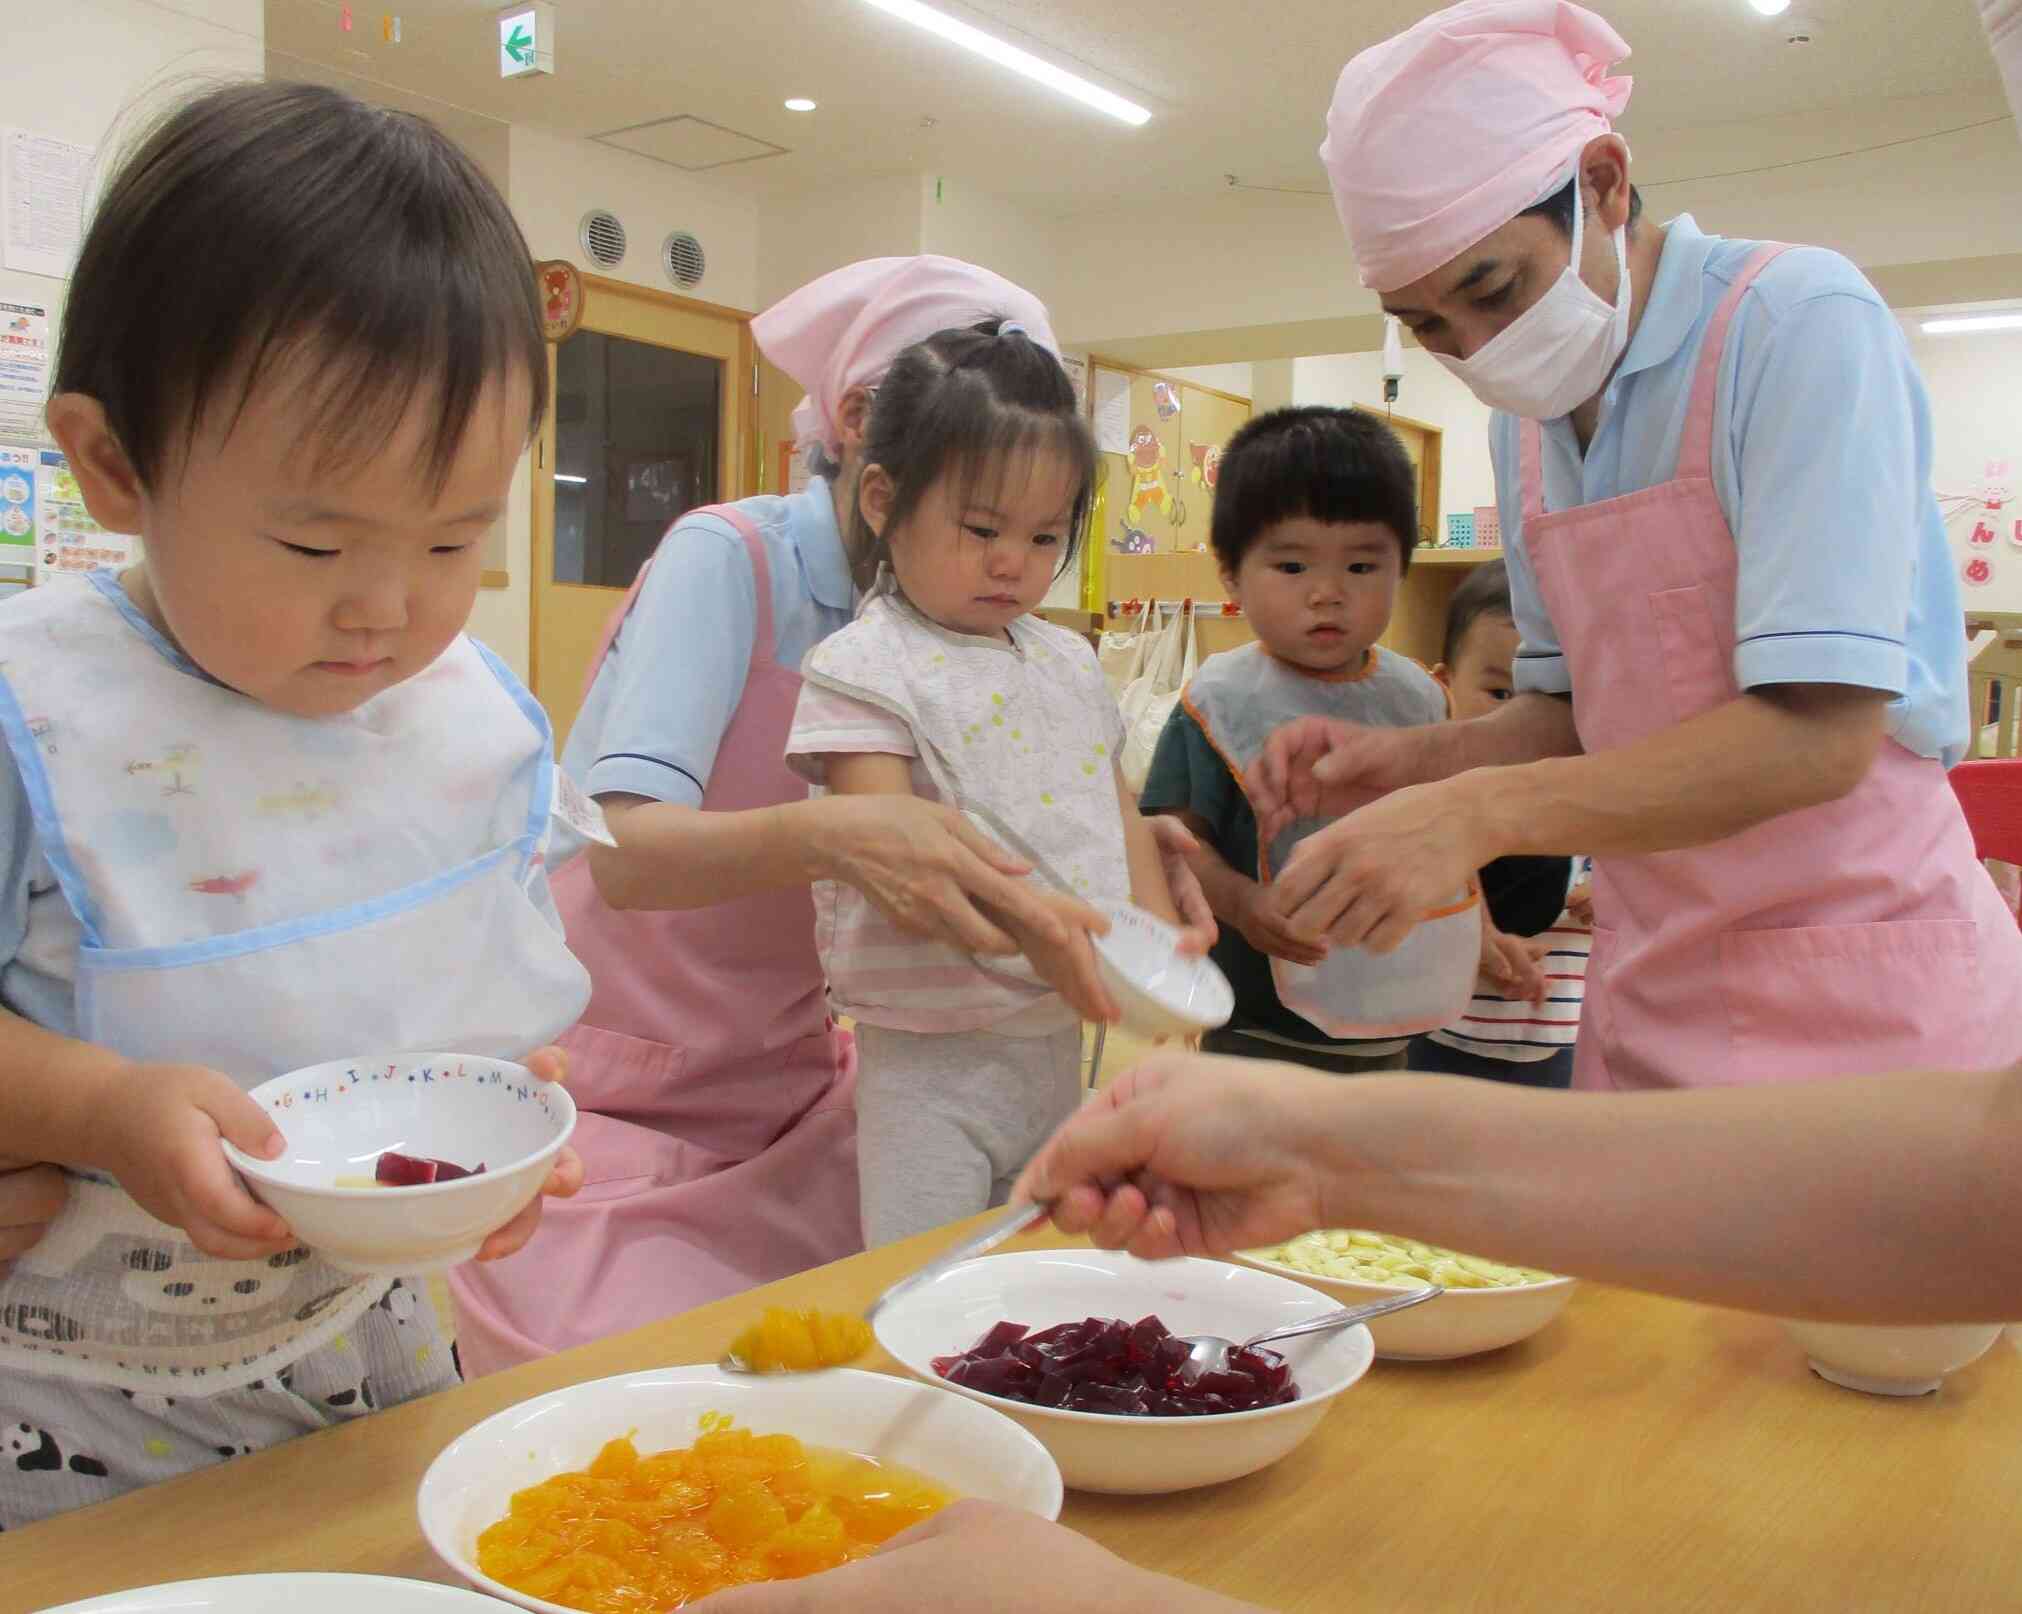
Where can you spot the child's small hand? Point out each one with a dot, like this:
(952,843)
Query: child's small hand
(161,1142)
(565,1177)
(1511,966)
(1267,931)
(1580,902)
(1067,966)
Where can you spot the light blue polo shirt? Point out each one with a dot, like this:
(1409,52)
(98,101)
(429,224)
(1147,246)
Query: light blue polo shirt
(1822,464)
(657,711)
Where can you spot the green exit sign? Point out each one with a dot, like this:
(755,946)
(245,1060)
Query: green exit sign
(526,40)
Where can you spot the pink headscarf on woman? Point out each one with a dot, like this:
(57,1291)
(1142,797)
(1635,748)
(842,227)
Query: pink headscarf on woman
(844,330)
(1443,134)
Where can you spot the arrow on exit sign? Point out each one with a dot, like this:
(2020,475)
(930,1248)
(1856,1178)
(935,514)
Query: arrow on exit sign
(526,40)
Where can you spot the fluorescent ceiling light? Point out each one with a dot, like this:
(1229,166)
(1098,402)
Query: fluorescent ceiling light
(563,476)
(800,103)
(1968,324)
(989,46)
(1771,8)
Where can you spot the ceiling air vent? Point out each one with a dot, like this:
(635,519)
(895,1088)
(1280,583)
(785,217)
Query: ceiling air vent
(603,237)
(682,257)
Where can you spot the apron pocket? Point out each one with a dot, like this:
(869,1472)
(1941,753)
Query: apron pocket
(1698,670)
(1851,1000)
(610,1070)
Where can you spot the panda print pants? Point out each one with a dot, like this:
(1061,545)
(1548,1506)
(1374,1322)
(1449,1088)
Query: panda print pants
(65,1444)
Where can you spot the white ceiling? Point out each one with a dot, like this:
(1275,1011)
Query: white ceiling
(1234,88)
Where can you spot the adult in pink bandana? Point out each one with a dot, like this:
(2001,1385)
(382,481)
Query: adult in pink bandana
(838,335)
(1752,742)
(717,1124)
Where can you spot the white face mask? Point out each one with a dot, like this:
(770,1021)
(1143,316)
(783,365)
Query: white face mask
(1558,352)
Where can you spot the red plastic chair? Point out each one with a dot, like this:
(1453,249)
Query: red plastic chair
(1991,794)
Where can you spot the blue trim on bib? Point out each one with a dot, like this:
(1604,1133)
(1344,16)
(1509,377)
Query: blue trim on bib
(42,802)
(541,808)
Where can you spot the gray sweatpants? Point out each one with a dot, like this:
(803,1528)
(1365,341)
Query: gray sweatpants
(945,1122)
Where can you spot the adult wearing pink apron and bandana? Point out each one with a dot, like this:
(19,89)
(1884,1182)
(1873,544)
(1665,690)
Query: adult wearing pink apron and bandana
(1713,464)
(716,1093)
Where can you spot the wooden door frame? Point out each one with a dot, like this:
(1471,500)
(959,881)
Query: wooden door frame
(737,458)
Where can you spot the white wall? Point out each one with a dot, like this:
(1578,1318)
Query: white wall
(802,235)
(76,67)
(1430,395)
(1236,378)
(555,180)
(1975,384)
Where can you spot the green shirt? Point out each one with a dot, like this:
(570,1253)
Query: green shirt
(1188,774)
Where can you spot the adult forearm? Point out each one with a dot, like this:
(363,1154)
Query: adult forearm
(1753,759)
(1890,1199)
(673,857)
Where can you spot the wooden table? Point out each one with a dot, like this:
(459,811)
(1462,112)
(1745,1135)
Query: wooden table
(1641,1455)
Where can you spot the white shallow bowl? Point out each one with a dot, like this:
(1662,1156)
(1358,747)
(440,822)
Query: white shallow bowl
(1161,991)
(340,1117)
(1461,1322)
(297,1594)
(967,1448)
(1133,1456)
(1891,1361)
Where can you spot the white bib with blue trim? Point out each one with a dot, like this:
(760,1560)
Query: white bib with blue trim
(258,892)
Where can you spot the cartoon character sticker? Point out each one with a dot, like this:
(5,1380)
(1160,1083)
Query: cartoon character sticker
(1148,490)
(1207,466)
(1166,399)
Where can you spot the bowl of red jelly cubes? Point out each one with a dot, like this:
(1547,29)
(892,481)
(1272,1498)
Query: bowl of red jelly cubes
(1082,1347)
(403,1163)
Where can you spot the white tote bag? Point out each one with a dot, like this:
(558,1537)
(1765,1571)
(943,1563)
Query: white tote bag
(1147,701)
(1122,654)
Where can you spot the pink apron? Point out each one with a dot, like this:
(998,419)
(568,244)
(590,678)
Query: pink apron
(1848,939)
(718,1124)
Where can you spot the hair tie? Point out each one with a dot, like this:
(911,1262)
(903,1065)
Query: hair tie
(1012,328)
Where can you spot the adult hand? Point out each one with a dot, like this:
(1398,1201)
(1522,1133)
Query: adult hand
(1367,879)
(1319,767)
(977,1558)
(564,1177)
(1270,933)
(1190,1155)
(30,1198)
(930,871)
(1176,844)
(1068,967)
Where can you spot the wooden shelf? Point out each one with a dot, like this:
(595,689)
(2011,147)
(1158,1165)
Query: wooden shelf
(1426,556)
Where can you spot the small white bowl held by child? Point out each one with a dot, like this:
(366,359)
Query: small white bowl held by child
(496,1123)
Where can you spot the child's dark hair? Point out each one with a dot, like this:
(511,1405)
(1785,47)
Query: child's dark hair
(1484,592)
(271,223)
(1329,465)
(964,401)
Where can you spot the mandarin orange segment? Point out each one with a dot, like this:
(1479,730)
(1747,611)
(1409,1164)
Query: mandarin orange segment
(636,1534)
(784,1341)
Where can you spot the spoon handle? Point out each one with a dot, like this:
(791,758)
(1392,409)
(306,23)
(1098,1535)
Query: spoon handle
(1013,1222)
(1348,1315)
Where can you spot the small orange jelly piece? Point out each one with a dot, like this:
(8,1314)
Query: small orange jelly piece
(785,1341)
(636,1535)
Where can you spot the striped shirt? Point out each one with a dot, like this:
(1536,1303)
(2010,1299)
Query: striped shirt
(1520,1031)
